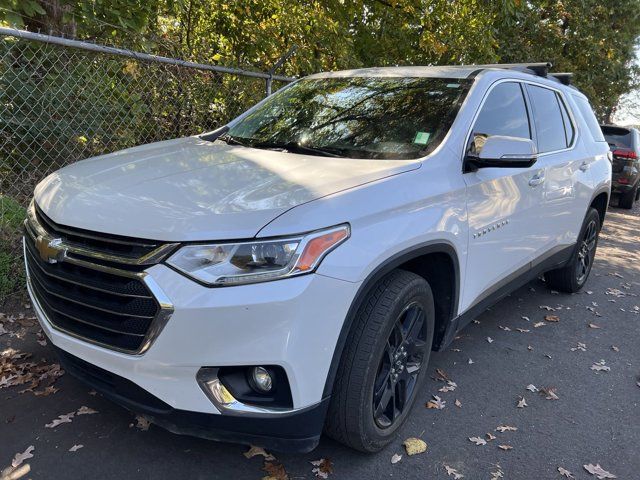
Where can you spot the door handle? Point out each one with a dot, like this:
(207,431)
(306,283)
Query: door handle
(537,179)
(584,166)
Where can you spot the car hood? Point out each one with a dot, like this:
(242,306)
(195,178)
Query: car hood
(189,189)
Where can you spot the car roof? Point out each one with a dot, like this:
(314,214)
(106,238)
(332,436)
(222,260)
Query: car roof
(538,71)
(400,72)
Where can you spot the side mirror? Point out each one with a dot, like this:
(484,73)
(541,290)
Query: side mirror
(500,151)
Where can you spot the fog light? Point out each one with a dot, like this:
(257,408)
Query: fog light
(261,379)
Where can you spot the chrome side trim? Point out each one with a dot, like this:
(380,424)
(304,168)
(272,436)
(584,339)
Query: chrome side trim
(227,404)
(36,230)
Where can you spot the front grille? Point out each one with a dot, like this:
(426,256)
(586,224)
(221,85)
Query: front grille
(96,289)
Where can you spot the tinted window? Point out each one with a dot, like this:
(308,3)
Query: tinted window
(569,130)
(361,117)
(589,118)
(548,119)
(503,113)
(618,137)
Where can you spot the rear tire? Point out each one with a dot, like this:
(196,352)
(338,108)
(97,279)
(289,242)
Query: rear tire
(627,200)
(384,364)
(572,277)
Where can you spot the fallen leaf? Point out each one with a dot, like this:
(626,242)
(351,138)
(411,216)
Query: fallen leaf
(452,472)
(75,448)
(523,330)
(142,423)
(522,403)
(436,403)
(527,319)
(552,318)
(86,411)
(478,440)
(253,451)
(414,446)
(506,428)
(598,471)
(593,325)
(539,324)
(46,392)
(565,473)
(505,447)
(442,375)
(323,468)
(458,403)
(470,362)
(549,393)
(489,339)
(547,308)
(275,471)
(21,457)
(498,474)
(490,436)
(532,388)
(449,387)
(614,348)
(60,420)
(600,367)
(506,329)
(581,346)
(396,458)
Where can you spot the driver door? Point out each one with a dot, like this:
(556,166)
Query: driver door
(502,203)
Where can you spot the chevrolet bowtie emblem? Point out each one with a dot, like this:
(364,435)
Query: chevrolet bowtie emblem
(50,250)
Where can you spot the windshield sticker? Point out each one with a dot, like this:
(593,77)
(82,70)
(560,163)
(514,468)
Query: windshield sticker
(422,138)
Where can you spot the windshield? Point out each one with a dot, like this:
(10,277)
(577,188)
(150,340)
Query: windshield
(358,117)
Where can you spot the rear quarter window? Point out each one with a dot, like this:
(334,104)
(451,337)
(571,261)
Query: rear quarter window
(589,118)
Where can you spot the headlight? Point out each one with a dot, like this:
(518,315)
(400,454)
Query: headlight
(259,260)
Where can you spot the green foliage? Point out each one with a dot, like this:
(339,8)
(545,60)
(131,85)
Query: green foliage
(11,269)
(592,38)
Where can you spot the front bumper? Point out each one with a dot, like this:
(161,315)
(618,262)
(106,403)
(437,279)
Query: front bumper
(294,323)
(297,432)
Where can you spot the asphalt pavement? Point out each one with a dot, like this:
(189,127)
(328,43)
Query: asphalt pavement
(588,358)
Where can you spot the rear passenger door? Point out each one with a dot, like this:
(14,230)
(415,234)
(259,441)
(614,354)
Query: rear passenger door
(502,203)
(567,183)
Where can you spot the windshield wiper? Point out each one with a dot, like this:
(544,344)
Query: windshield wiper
(295,147)
(229,140)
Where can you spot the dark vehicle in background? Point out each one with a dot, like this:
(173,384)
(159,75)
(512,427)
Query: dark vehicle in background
(625,147)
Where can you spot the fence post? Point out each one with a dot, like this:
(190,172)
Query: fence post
(277,65)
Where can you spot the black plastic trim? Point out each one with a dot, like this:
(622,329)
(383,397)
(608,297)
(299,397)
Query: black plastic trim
(437,246)
(555,258)
(298,432)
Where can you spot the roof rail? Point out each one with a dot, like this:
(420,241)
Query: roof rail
(563,77)
(540,69)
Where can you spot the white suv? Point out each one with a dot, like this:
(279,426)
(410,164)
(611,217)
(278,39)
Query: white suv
(292,271)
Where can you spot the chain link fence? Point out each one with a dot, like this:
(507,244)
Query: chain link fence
(62,101)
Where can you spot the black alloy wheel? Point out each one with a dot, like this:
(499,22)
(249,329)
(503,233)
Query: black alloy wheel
(400,365)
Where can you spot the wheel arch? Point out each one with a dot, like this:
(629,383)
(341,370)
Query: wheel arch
(435,261)
(600,202)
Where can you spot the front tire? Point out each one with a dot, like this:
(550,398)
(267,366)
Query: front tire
(384,364)
(572,277)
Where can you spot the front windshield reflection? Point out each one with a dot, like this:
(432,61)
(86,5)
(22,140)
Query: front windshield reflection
(359,117)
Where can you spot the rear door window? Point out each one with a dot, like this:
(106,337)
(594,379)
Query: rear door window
(589,118)
(569,129)
(550,126)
